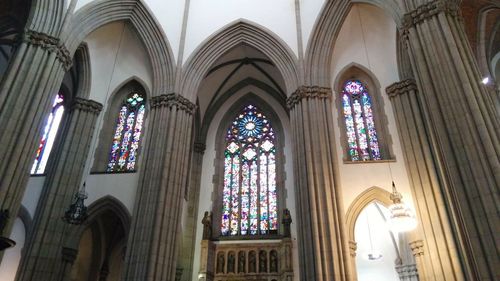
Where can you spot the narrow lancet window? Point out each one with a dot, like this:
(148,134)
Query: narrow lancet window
(127,135)
(357,108)
(48,136)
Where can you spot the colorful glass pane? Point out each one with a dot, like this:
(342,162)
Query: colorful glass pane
(361,133)
(128,130)
(48,136)
(249,202)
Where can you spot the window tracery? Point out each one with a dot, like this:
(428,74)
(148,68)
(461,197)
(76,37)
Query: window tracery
(357,109)
(249,203)
(127,135)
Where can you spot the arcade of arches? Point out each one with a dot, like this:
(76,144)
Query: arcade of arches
(249,140)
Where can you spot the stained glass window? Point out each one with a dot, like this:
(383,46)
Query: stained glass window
(127,134)
(48,135)
(357,108)
(249,200)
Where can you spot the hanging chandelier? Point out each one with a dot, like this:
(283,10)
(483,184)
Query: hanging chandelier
(401,217)
(77,211)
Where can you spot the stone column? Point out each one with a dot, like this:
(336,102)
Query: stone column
(434,219)
(33,78)
(189,233)
(464,127)
(323,253)
(152,247)
(42,259)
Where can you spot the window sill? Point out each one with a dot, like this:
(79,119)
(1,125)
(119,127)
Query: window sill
(249,237)
(112,173)
(369,161)
(38,175)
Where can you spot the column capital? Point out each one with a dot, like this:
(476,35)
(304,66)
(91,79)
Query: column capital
(417,247)
(309,92)
(50,43)
(170,100)
(428,10)
(86,105)
(401,87)
(407,272)
(353,247)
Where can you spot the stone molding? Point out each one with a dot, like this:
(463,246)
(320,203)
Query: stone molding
(50,43)
(86,105)
(406,272)
(170,100)
(417,247)
(308,92)
(428,10)
(401,87)
(353,247)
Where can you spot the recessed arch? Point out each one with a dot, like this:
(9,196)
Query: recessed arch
(99,13)
(372,194)
(319,51)
(100,206)
(230,36)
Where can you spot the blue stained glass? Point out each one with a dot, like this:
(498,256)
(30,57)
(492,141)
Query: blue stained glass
(128,130)
(361,133)
(249,205)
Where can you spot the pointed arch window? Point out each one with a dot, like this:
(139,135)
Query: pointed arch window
(357,109)
(249,203)
(127,134)
(48,136)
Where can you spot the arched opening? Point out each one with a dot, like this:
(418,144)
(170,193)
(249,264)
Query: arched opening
(101,248)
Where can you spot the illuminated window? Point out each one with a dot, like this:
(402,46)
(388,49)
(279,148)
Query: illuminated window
(357,108)
(48,136)
(127,134)
(249,203)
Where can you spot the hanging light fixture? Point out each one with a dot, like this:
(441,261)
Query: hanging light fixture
(77,211)
(373,254)
(402,218)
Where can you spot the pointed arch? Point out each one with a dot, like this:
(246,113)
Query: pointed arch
(232,35)
(318,55)
(99,13)
(372,194)
(97,208)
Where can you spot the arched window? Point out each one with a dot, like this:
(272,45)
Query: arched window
(48,135)
(127,134)
(357,109)
(249,203)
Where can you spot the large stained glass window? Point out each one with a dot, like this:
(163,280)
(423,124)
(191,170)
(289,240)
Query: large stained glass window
(357,108)
(48,135)
(127,134)
(249,202)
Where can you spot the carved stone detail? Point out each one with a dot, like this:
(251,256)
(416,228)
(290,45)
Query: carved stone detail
(69,254)
(402,87)
(429,10)
(199,147)
(353,246)
(407,272)
(51,44)
(86,105)
(417,247)
(171,100)
(308,92)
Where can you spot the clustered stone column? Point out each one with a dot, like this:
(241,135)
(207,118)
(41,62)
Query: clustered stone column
(33,78)
(323,252)
(43,251)
(189,232)
(434,220)
(152,247)
(463,125)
